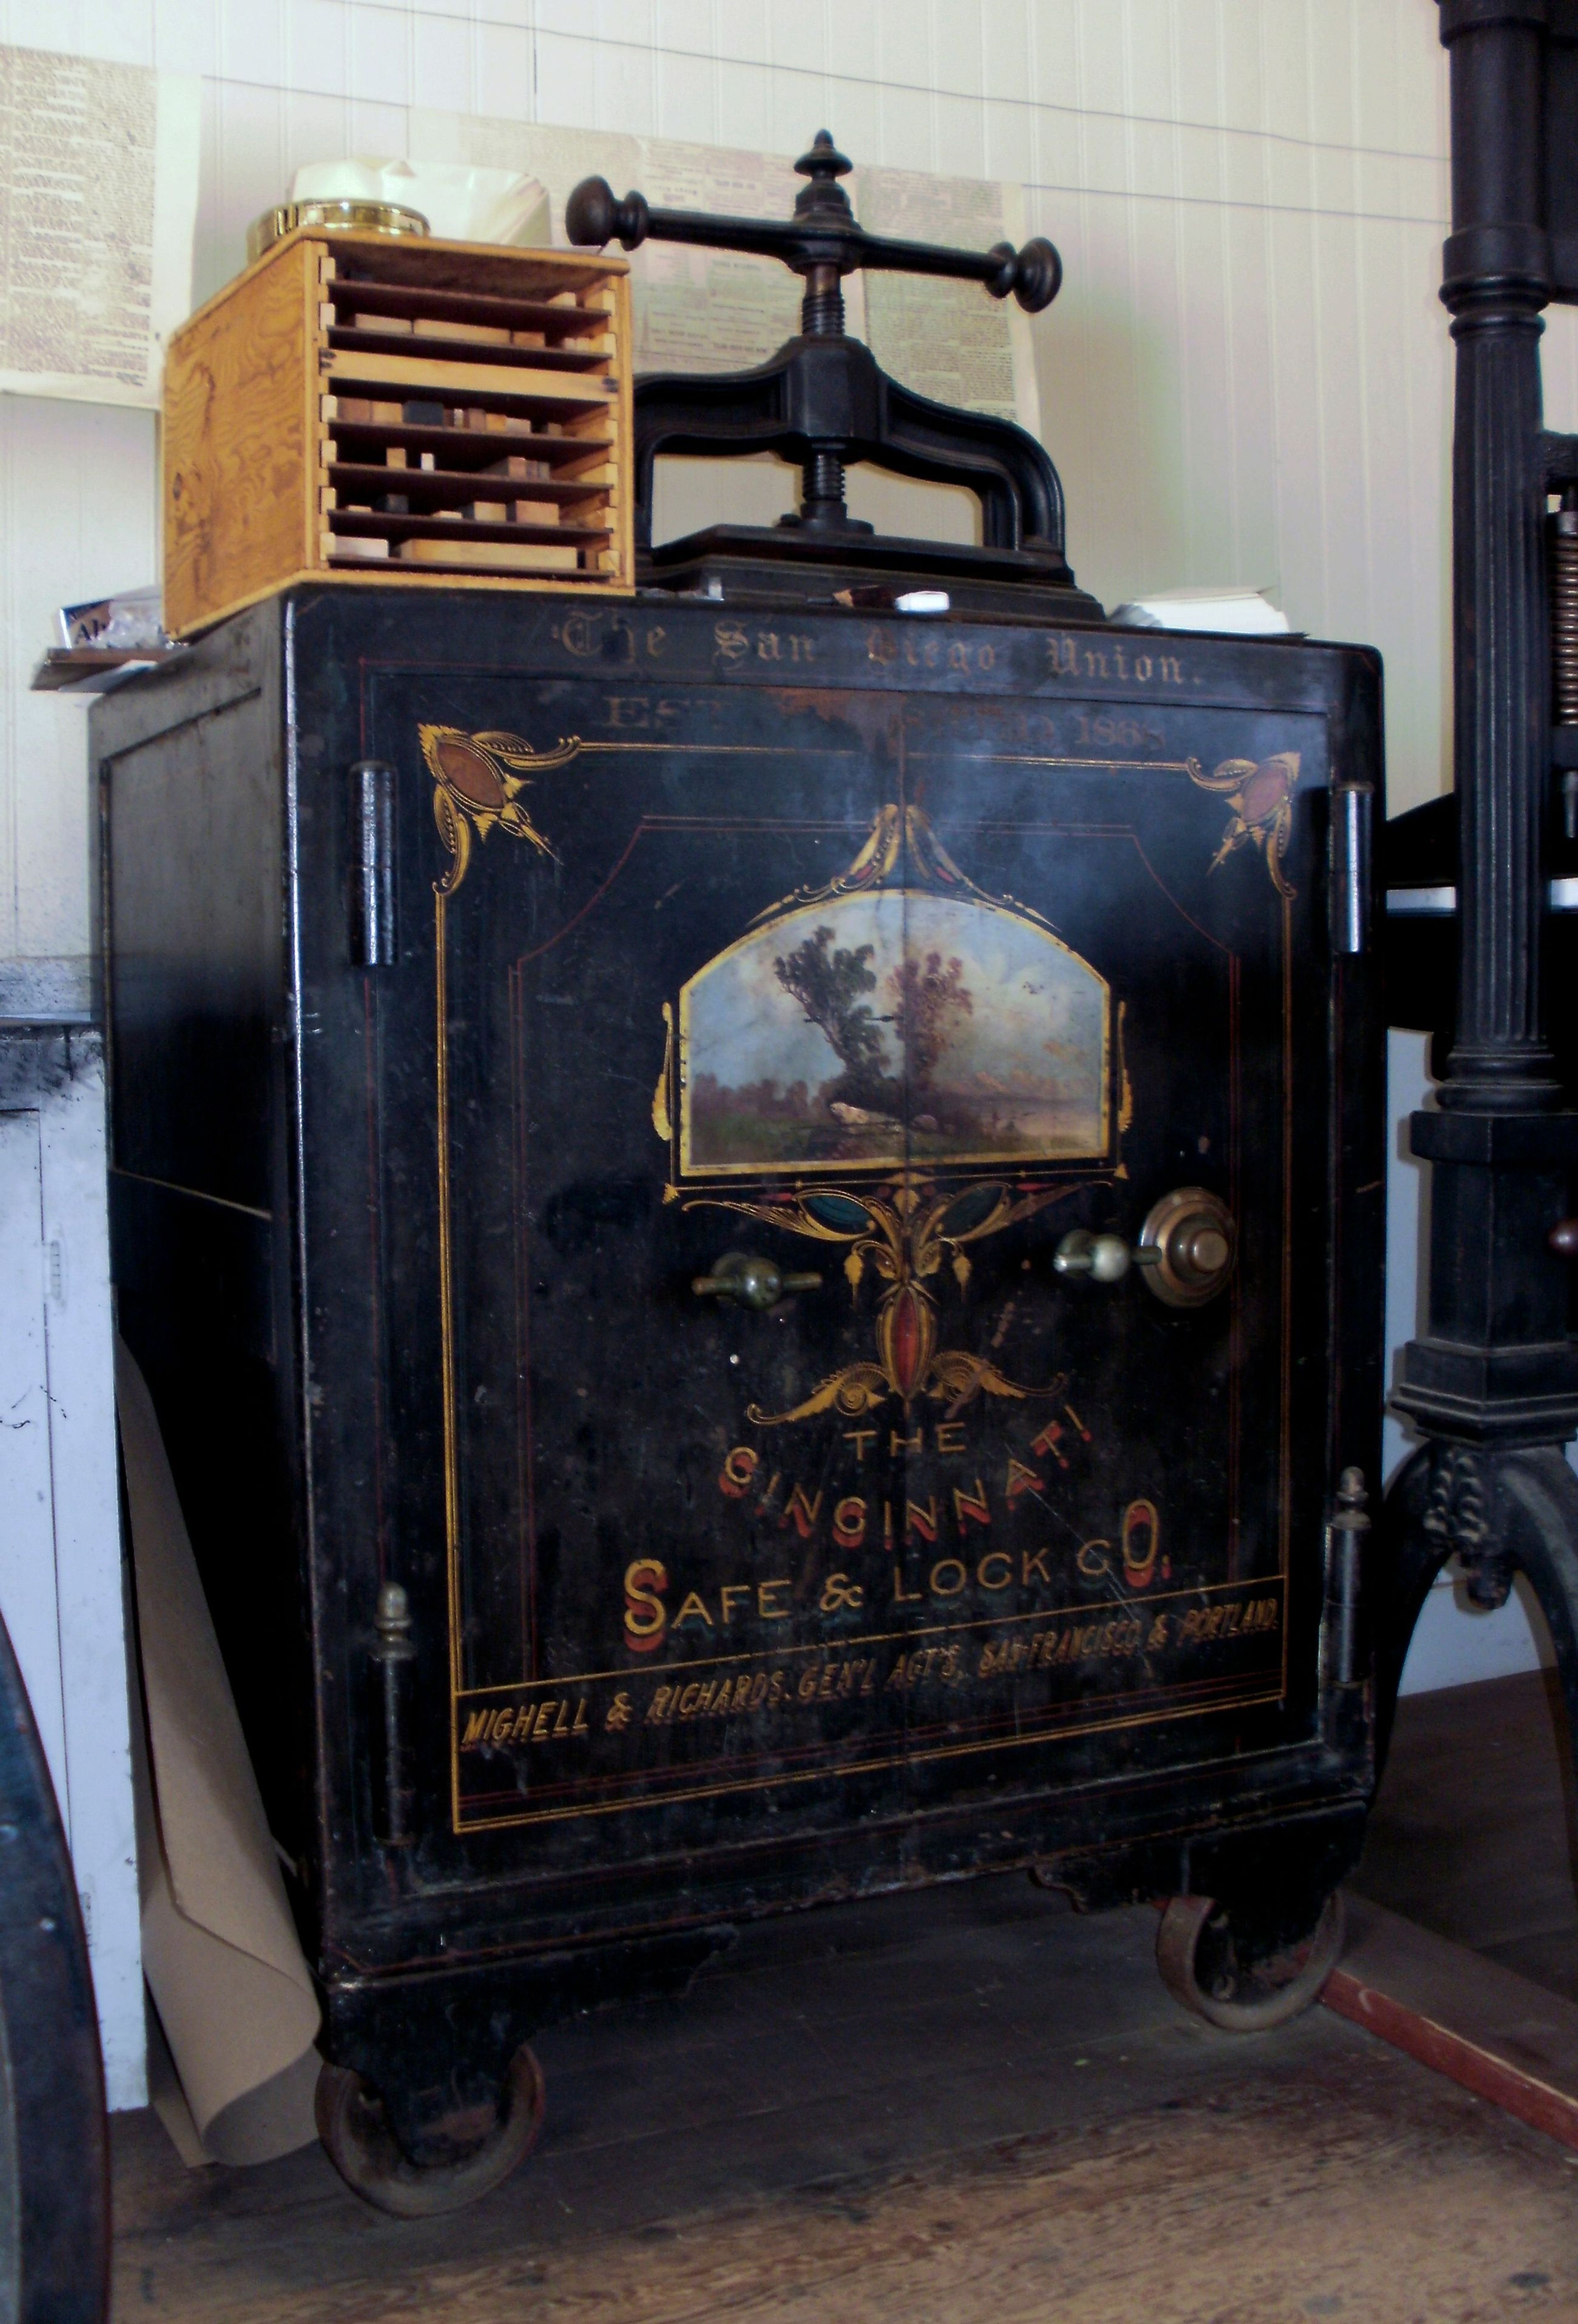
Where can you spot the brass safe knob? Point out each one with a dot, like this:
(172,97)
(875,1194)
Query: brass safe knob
(750,1282)
(1193,1235)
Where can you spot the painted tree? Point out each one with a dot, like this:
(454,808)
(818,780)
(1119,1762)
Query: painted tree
(929,999)
(830,983)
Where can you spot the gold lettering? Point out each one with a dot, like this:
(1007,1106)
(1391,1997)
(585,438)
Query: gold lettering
(971,1508)
(839,1592)
(1049,1442)
(860,1438)
(658,1707)
(1020,1479)
(767,1610)
(629,710)
(902,1597)
(1170,670)
(1034,1568)
(544,1720)
(738,1469)
(849,1522)
(617,1719)
(948,1588)
(475,1723)
(802,1510)
(733,643)
(996,1558)
(949,1436)
(921,1521)
(897,1443)
(693,1611)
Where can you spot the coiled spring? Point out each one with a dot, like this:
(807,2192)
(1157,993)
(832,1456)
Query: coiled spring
(1563,539)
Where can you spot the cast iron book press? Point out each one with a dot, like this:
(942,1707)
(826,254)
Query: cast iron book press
(756,1215)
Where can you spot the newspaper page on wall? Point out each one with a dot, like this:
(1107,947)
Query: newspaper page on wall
(723,310)
(98,193)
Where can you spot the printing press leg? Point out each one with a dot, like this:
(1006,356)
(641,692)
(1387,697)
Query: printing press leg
(463,2158)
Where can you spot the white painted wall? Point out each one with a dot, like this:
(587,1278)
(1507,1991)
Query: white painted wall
(61,1585)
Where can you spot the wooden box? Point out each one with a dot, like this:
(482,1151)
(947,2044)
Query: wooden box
(399,411)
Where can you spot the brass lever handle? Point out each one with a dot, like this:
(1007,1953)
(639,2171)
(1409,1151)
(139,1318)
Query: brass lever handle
(1186,1248)
(750,1282)
(1100,1258)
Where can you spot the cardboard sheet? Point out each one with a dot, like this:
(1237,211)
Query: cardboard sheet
(237,2013)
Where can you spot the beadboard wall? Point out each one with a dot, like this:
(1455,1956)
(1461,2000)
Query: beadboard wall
(1246,378)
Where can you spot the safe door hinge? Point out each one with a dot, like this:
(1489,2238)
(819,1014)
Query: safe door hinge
(373,939)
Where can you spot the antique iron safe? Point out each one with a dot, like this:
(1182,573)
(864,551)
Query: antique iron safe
(756,1224)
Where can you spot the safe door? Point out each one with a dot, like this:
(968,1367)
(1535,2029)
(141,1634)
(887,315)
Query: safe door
(858,1327)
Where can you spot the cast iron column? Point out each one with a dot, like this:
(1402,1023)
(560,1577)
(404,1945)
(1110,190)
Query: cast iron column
(1495,285)
(1496,1368)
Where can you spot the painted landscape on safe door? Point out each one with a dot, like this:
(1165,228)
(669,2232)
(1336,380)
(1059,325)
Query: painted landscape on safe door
(889,1028)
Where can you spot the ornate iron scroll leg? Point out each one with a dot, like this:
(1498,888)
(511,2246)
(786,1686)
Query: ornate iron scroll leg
(1502,1512)
(1408,1553)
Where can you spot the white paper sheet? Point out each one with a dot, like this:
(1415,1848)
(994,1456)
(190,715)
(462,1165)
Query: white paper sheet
(98,193)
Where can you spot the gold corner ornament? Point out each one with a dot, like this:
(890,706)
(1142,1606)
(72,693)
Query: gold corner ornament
(478,779)
(1259,793)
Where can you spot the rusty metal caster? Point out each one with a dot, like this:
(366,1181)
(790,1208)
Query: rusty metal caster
(1200,1964)
(354,2126)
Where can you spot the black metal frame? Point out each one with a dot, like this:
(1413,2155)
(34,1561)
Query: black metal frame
(1492,1384)
(824,401)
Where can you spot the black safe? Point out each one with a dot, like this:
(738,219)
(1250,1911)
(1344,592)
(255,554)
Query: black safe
(807,1183)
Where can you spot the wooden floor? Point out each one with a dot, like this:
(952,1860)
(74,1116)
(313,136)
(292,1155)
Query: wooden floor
(1473,1833)
(943,2108)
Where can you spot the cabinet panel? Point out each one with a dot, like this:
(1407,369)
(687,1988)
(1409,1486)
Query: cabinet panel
(893,994)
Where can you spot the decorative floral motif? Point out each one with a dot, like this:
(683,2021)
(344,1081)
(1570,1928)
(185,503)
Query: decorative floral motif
(903,1231)
(478,781)
(1260,794)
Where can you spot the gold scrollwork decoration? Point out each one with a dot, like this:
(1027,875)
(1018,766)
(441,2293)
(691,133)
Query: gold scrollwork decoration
(478,781)
(1259,793)
(904,1232)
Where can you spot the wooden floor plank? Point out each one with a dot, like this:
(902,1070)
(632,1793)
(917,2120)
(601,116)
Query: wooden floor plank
(966,2105)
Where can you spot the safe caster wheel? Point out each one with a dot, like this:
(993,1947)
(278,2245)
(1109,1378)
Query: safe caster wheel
(354,2126)
(1216,1967)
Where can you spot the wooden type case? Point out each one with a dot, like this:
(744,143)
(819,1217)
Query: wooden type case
(482,973)
(411,411)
